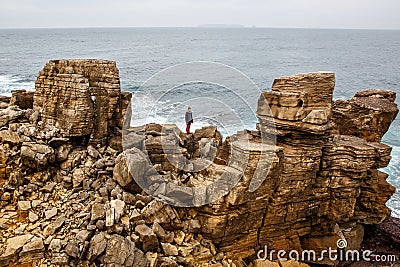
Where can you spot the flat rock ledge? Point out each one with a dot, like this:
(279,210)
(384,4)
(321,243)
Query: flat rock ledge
(67,197)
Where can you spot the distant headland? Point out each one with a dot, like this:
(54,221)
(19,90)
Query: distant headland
(221,26)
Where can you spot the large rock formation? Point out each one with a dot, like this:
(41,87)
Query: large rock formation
(81,97)
(318,180)
(319,188)
(65,201)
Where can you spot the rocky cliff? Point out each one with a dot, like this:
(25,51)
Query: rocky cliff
(71,196)
(81,97)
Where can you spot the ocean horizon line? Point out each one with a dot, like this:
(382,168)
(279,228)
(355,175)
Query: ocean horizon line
(206,26)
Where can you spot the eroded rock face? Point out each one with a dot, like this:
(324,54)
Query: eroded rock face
(318,179)
(299,103)
(81,97)
(367,115)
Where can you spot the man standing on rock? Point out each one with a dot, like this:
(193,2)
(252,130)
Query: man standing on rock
(188,119)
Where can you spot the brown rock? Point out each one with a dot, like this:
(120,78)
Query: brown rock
(161,213)
(33,250)
(81,97)
(320,182)
(72,249)
(169,249)
(98,212)
(367,115)
(120,251)
(7,136)
(41,154)
(13,247)
(97,246)
(22,98)
(127,176)
(315,180)
(147,237)
(208,132)
(298,103)
(12,114)
(24,206)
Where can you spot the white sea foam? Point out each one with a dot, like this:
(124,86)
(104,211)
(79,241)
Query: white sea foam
(173,112)
(394,204)
(14,82)
(394,173)
(394,168)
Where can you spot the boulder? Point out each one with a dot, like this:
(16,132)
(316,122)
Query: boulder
(50,213)
(169,249)
(130,166)
(53,227)
(11,137)
(98,244)
(13,246)
(78,176)
(33,250)
(147,237)
(40,154)
(62,152)
(72,249)
(161,213)
(12,114)
(98,211)
(24,206)
(207,132)
(120,251)
(93,152)
(4,101)
(119,208)
(367,115)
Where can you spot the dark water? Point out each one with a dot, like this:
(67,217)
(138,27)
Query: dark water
(361,60)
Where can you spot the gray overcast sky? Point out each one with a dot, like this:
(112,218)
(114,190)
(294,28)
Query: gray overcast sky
(364,14)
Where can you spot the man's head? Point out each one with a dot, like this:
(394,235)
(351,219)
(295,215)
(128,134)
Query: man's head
(189,109)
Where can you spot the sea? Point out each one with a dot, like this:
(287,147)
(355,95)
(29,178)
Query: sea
(361,59)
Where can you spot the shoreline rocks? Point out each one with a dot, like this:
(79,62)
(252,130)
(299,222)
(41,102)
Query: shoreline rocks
(68,198)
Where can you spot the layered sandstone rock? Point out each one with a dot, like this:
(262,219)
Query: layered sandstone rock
(299,103)
(318,180)
(81,97)
(367,115)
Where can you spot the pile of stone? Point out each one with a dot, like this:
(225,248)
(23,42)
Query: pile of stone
(67,207)
(66,201)
(169,163)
